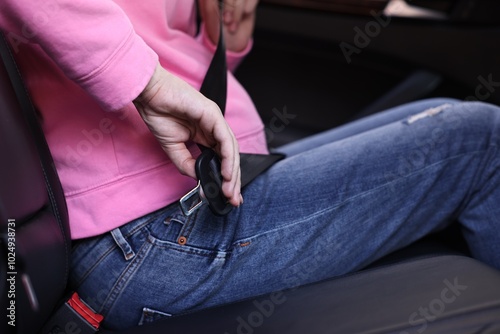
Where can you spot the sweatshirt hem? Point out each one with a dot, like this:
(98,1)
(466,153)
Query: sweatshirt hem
(100,211)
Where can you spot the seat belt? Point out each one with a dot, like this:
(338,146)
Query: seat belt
(208,164)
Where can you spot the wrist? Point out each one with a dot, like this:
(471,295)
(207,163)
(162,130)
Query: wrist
(152,86)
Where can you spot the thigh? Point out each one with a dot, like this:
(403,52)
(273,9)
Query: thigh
(363,125)
(336,208)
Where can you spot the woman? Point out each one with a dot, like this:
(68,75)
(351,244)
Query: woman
(339,201)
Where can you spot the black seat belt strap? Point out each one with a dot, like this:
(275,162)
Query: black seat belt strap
(208,165)
(214,85)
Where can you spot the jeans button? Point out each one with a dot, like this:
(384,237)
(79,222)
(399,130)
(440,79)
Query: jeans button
(182,240)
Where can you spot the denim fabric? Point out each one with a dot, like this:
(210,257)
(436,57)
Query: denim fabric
(341,200)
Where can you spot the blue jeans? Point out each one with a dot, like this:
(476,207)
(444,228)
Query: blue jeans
(341,200)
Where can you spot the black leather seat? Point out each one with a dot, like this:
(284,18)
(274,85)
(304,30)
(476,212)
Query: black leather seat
(431,290)
(32,198)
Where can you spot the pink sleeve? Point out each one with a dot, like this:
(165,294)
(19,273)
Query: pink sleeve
(233,58)
(92,41)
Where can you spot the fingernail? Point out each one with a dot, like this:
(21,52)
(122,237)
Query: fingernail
(241,199)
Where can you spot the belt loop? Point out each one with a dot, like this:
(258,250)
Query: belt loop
(128,253)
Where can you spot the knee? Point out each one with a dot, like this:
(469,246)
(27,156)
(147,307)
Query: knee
(479,110)
(478,116)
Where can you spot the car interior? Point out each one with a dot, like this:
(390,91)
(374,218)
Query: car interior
(327,62)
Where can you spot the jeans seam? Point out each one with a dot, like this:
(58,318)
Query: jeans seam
(409,175)
(89,271)
(326,210)
(137,228)
(208,253)
(123,280)
(476,180)
(188,226)
(112,248)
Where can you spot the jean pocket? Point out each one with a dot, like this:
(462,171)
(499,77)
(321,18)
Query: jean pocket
(149,315)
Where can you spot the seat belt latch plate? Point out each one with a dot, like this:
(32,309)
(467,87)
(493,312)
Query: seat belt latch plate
(188,206)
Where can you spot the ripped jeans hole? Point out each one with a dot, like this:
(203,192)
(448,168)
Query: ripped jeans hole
(428,113)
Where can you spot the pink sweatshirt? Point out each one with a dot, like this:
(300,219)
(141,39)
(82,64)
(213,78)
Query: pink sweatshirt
(84,61)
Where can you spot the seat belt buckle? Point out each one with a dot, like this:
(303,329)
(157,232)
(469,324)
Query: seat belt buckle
(209,188)
(74,316)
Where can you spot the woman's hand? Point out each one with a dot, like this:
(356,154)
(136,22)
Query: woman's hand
(177,113)
(238,17)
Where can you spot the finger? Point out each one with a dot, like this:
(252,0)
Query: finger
(238,198)
(232,188)
(235,185)
(250,6)
(234,9)
(226,146)
(236,191)
(239,6)
(210,15)
(181,158)
(228,11)
(230,163)
(228,159)
(218,135)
